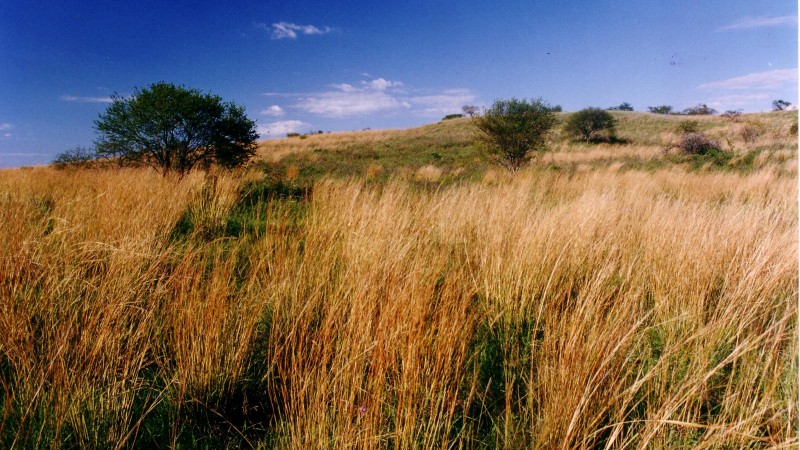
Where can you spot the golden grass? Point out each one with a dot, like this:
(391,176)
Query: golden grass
(593,309)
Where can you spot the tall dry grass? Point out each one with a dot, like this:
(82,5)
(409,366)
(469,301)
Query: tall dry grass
(597,309)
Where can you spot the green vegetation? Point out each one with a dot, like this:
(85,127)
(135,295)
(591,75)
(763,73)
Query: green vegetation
(663,109)
(391,289)
(175,129)
(513,129)
(591,125)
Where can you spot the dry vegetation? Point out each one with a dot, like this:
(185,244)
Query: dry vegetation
(597,304)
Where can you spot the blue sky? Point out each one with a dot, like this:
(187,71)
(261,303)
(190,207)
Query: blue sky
(299,66)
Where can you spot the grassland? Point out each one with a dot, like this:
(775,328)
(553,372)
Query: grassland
(388,289)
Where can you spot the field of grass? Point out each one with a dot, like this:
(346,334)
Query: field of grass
(388,289)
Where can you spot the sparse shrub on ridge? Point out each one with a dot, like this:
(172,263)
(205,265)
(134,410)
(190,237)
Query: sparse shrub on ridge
(663,109)
(699,110)
(624,106)
(76,158)
(591,124)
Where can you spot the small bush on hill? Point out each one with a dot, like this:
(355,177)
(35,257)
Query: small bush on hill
(77,157)
(591,124)
(697,144)
(452,116)
(625,106)
(291,135)
(780,105)
(751,131)
(663,109)
(471,110)
(699,110)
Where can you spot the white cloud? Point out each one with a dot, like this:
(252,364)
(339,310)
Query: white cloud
(72,98)
(379,84)
(5,126)
(737,101)
(8,135)
(288,30)
(273,110)
(280,128)
(759,22)
(447,102)
(769,80)
(381,96)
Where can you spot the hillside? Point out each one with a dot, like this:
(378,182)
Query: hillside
(389,289)
(448,148)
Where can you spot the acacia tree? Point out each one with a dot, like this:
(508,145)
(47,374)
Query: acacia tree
(591,124)
(175,129)
(511,129)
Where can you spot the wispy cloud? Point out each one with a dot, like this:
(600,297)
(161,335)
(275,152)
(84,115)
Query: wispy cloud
(5,126)
(274,110)
(768,80)
(760,22)
(288,30)
(380,96)
(280,128)
(76,99)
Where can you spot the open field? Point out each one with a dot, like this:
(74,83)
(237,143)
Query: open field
(388,289)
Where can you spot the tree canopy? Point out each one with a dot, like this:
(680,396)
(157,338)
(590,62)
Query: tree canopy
(175,129)
(513,128)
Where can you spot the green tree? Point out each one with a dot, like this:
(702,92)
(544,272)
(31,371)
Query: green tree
(175,129)
(512,129)
(591,124)
(663,109)
(625,106)
(699,110)
(780,105)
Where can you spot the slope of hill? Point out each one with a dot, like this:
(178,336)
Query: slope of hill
(449,148)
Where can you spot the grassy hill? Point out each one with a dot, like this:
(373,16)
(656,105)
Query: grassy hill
(448,150)
(388,289)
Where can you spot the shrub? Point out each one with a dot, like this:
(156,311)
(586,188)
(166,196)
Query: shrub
(77,157)
(663,109)
(697,144)
(688,126)
(625,106)
(732,114)
(452,116)
(591,124)
(471,110)
(699,110)
(512,129)
(780,105)
(293,134)
(751,131)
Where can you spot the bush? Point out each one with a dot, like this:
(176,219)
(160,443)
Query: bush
(293,134)
(663,109)
(688,126)
(780,105)
(77,157)
(697,144)
(471,110)
(172,128)
(751,131)
(699,110)
(591,124)
(452,116)
(625,106)
(512,129)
